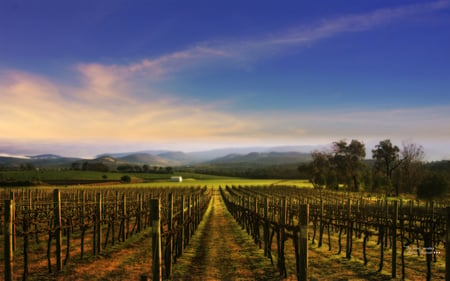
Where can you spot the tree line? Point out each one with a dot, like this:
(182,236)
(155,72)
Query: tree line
(102,167)
(392,169)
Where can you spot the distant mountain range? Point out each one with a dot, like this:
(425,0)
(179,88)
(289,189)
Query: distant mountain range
(263,158)
(225,156)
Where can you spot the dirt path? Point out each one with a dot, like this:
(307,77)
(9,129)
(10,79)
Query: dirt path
(221,250)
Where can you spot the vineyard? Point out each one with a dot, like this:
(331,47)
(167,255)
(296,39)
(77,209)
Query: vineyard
(411,237)
(43,230)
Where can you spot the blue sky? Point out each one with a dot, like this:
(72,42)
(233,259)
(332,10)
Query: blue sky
(84,77)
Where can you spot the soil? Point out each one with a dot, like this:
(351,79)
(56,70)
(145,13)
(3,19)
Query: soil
(222,250)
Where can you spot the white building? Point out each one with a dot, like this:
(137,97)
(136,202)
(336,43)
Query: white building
(176,179)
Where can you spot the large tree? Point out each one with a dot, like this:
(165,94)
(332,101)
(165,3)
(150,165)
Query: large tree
(402,169)
(321,170)
(347,158)
(386,157)
(411,171)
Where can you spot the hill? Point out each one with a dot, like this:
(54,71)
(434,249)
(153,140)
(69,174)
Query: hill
(146,158)
(43,161)
(263,158)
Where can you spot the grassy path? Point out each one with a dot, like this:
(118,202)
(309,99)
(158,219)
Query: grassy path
(221,250)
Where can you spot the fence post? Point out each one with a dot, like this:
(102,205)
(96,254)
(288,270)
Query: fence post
(302,270)
(189,232)
(156,238)
(197,210)
(115,216)
(447,246)
(170,237)
(98,222)
(181,244)
(266,229)
(57,216)
(321,228)
(349,229)
(82,220)
(8,245)
(13,216)
(394,240)
(140,216)
(124,214)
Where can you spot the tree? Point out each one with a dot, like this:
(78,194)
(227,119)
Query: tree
(386,156)
(85,166)
(76,166)
(29,167)
(432,185)
(347,159)
(125,178)
(412,168)
(402,169)
(125,168)
(387,159)
(320,169)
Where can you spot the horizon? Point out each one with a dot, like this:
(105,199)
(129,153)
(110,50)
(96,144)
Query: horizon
(82,78)
(239,150)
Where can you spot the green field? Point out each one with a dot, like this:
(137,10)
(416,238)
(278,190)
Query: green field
(70,177)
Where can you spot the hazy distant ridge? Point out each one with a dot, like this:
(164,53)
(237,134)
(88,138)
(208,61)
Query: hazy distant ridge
(249,155)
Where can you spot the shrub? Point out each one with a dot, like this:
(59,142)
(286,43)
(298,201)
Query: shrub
(125,178)
(432,185)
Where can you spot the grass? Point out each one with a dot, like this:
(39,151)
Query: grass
(71,177)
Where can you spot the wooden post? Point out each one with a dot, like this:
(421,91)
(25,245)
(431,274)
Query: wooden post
(82,214)
(57,216)
(156,239)
(140,216)
(30,200)
(194,208)
(189,232)
(13,215)
(394,240)
(114,218)
(282,222)
(197,211)
(349,229)
(410,217)
(98,222)
(266,230)
(124,214)
(302,270)
(8,245)
(170,237)
(181,244)
(247,207)
(447,246)
(321,228)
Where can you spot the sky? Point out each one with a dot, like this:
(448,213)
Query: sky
(80,78)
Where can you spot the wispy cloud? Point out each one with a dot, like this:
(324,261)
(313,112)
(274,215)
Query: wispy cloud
(355,23)
(258,46)
(33,108)
(308,34)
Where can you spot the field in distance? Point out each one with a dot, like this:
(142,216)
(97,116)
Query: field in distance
(71,177)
